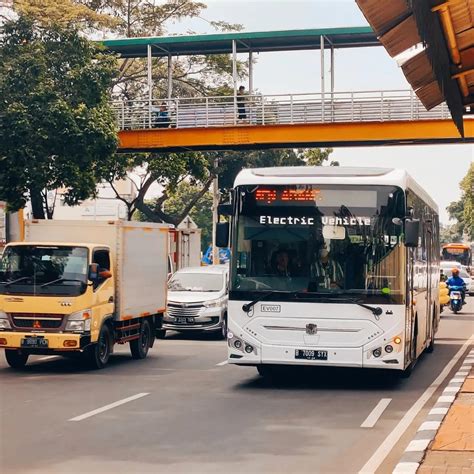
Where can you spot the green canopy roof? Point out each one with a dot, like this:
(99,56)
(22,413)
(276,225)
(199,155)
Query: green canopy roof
(290,40)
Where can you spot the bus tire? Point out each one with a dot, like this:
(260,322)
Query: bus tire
(407,372)
(266,371)
(98,354)
(139,347)
(16,359)
(430,348)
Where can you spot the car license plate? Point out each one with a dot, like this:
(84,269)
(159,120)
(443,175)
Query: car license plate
(310,354)
(185,320)
(34,342)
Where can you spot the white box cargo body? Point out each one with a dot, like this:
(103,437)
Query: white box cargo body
(139,251)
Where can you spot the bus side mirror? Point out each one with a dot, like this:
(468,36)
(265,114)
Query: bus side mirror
(222,234)
(412,232)
(93,274)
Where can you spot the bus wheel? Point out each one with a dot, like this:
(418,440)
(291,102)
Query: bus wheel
(139,347)
(98,354)
(16,359)
(430,347)
(265,370)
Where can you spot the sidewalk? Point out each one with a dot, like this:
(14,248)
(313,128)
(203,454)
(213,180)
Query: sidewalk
(452,450)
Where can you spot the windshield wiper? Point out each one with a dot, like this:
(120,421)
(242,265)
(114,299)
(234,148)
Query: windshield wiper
(248,306)
(376,310)
(8,283)
(60,280)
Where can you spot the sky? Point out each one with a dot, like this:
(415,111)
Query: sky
(438,168)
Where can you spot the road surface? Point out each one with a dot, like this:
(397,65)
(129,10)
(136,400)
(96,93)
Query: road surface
(184,410)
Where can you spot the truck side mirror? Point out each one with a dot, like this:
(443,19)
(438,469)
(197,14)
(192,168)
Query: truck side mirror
(412,232)
(105,274)
(222,234)
(93,274)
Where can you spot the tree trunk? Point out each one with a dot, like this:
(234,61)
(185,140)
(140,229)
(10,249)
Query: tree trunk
(37,206)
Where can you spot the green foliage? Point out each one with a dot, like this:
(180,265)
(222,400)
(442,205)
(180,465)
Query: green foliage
(463,210)
(56,128)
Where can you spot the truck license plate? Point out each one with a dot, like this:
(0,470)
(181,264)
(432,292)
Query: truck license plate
(34,342)
(310,354)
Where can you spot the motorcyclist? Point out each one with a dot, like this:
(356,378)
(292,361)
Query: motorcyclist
(456,280)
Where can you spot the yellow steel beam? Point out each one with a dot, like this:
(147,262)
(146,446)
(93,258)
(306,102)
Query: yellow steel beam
(268,136)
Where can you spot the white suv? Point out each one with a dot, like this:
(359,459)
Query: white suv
(197,300)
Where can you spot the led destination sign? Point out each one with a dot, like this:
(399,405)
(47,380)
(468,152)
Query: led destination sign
(286,195)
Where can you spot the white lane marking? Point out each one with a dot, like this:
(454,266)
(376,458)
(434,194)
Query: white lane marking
(48,358)
(108,407)
(376,413)
(391,440)
(220,364)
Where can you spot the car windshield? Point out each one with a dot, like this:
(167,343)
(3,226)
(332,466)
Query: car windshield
(196,282)
(320,240)
(44,270)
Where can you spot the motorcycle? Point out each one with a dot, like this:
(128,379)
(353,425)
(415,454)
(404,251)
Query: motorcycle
(455,298)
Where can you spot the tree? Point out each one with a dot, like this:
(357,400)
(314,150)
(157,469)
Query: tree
(463,210)
(56,128)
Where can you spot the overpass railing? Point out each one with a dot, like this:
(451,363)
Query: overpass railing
(337,107)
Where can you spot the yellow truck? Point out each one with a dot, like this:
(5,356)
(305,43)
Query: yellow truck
(81,287)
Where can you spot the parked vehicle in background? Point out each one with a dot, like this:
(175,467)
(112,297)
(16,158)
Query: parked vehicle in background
(443,295)
(197,300)
(467,280)
(81,287)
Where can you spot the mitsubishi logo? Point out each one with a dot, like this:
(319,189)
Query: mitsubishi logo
(311,329)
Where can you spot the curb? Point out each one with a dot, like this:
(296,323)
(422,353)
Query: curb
(415,451)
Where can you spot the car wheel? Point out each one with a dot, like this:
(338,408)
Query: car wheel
(223,331)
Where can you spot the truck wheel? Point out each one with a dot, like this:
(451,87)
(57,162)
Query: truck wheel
(15,358)
(98,355)
(139,347)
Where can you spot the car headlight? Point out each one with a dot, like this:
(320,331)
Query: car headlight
(214,303)
(79,321)
(4,322)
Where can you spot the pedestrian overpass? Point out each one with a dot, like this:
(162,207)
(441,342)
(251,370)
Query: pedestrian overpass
(324,118)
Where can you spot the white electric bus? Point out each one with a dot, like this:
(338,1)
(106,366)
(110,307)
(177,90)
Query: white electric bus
(331,266)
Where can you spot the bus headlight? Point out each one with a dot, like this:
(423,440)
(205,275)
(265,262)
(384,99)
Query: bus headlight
(4,322)
(377,352)
(79,321)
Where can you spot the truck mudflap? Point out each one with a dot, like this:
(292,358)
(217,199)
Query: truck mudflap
(43,342)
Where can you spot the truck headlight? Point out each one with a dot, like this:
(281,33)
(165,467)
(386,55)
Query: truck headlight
(214,303)
(4,322)
(79,321)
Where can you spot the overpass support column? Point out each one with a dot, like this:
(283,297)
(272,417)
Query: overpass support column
(150,83)
(322,76)
(234,77)
(170,77)
(250,73)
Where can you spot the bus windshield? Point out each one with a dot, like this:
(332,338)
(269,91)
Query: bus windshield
(457,253)
(44,270)
(320,241)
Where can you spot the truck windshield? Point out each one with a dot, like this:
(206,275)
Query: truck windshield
(44,270)
(317,241)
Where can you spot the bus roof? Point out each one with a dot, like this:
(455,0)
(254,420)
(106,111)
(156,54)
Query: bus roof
(333,175)
(456,245)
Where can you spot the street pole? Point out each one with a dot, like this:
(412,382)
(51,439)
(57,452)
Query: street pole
(215,216)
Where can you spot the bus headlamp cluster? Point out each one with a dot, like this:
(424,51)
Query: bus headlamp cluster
(239,344)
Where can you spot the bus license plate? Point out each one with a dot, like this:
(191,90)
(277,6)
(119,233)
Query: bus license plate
(34,342)
(310,354)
